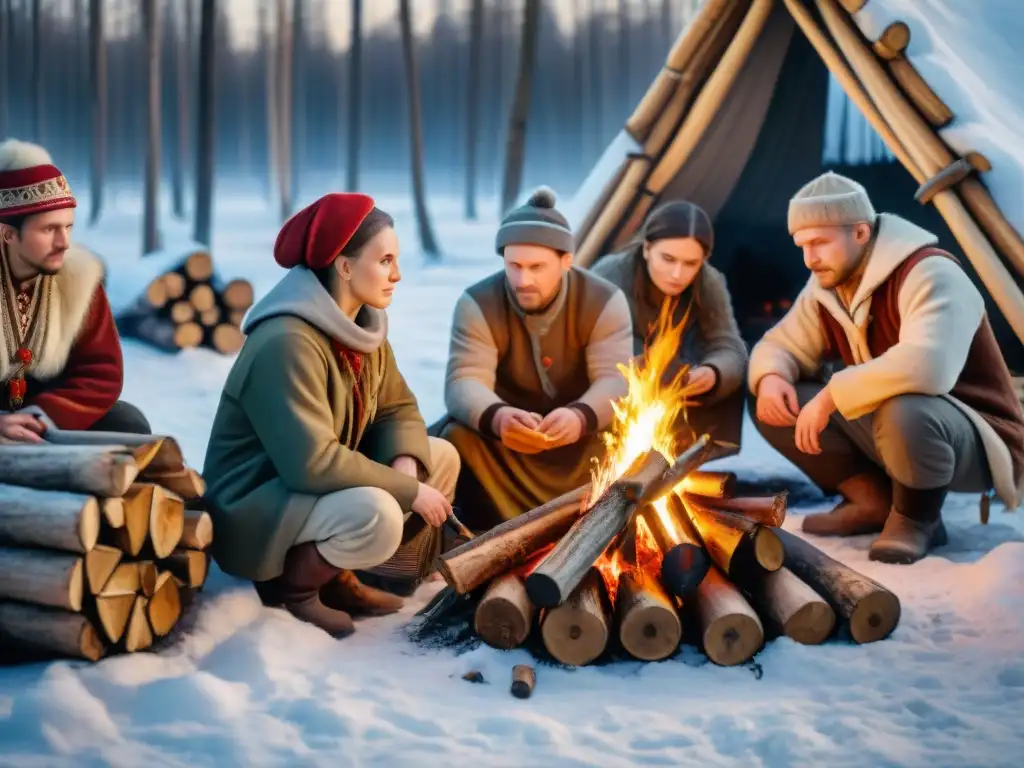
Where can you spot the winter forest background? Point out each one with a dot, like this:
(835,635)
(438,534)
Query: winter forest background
(310,96)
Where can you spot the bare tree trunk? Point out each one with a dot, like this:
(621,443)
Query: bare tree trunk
(5,64)
(206,113)
(273,122)
(182,90)
(151,209)
(297,96)
(427,239)
(355,97)
(37,70)
(284,109)
(516,147)
(476,39)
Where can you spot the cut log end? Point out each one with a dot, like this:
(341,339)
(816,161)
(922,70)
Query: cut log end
(732,639)
(811,624)
(683,568)
(504,615)
(875,617)
(651,633)
(89,524)
(768,550)
(100,562)
(227,339)
(164,606)
(113,512)
(138,636)
(197,532)
(577,636)
(543,590)
(114,608)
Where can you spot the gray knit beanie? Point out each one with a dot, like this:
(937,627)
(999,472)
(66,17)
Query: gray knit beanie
(830,200)
(536,223)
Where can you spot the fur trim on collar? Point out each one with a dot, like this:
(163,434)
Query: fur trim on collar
(73,289)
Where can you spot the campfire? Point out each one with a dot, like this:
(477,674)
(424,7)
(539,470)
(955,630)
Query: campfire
(655,552)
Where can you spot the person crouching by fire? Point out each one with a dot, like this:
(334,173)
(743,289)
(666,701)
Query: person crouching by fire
(60,354)
(318,455)
(532,370)
(923,404)
(670,264)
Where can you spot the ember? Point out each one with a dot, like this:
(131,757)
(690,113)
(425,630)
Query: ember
(651,539)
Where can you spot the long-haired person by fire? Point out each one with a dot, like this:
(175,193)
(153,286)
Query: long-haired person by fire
(670,264)
(532,370)
(319,456)
(60,354)
(923,402)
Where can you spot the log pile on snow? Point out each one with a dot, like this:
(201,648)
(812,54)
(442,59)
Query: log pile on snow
(630,572)
(100,551)
(177,301)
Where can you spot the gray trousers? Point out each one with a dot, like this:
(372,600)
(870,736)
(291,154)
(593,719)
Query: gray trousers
(920,441)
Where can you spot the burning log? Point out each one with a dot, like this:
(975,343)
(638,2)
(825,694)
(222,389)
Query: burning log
(51,629)
(649,626)
(577,631)
(794,608)
(730,629)
(563,569)
(740,547)
(41,577)
(871,610)
(44,518)
(716,485)
(510,544)
(764,510)
(504,614)
(101,470)
(684,562)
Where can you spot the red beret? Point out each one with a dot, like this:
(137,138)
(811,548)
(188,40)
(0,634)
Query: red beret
(314,236)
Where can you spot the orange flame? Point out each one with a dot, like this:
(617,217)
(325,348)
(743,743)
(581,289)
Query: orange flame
(645,418)
(611,567)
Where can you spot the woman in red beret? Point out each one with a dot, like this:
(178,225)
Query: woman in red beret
(318,453)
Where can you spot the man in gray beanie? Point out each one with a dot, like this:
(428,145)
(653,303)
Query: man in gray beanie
(923,402)
(532,370)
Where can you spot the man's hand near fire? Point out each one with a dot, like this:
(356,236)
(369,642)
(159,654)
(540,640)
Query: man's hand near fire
(701,380)
(777,403)
(563,426)
(518,430)
(430,503)
(812,421)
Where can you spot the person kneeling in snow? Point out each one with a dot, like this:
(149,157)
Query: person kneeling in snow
(318,448)
(924,403)
(532,370)
(60,354)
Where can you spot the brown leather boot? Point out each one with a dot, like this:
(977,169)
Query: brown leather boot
(913,528)
(297,590)
(346,593)
(867,498)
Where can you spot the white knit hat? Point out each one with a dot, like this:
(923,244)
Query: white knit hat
(830,200)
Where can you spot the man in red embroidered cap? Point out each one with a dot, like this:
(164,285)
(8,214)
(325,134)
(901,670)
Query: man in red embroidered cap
(318,456)
(60,353)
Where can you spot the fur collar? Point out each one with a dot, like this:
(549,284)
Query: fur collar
(65,313)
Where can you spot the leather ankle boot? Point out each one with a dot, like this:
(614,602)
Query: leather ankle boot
(346,593)
(867,498)
(914,526)
(297,590)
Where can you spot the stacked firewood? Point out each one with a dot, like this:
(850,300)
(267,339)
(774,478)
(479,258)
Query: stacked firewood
(99,550)
(187,305)
(662,556)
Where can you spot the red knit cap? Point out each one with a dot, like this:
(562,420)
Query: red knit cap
(315,236)
(29,181)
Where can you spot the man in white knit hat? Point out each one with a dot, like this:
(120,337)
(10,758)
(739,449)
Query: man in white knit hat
(60,354)
(923,402)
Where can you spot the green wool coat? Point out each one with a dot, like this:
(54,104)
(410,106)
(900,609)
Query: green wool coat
(286,430)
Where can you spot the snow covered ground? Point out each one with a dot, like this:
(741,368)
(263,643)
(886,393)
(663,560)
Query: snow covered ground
(246,685)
